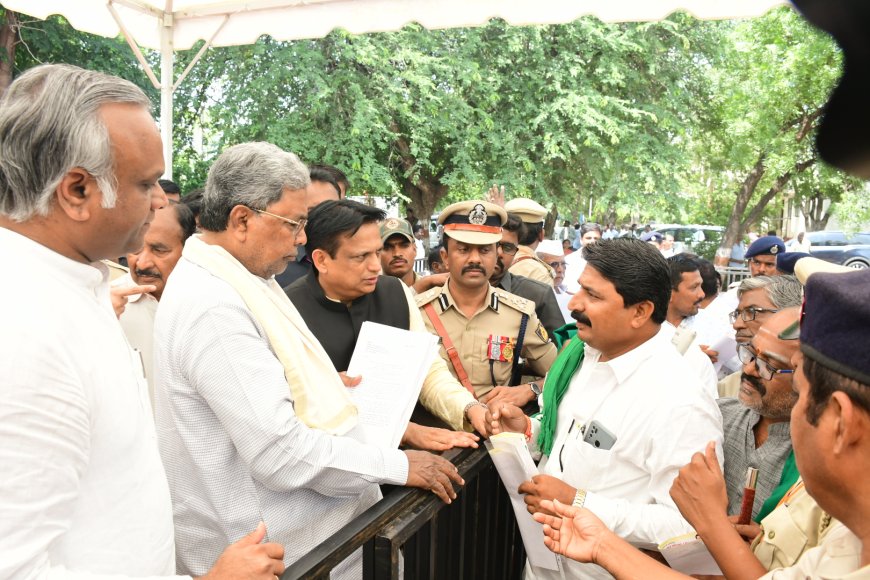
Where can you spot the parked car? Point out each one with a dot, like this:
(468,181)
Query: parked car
(697,239)
(839,248)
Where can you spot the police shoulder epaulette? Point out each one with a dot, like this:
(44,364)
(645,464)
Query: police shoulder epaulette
(427,296)
(514,301)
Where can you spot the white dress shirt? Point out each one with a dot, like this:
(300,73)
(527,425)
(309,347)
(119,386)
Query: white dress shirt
(137,320)
(82,488)
(698,361)
(235,452)
(655,406)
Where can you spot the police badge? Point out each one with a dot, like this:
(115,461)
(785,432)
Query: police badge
(477,215)
(391,224)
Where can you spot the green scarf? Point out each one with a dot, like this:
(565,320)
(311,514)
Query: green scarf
(555,387)
(789,477)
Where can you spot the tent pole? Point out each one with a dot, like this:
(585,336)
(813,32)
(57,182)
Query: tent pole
(166,74)
(133,46)
(199,54)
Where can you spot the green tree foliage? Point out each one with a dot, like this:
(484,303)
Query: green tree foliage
(561,113)
(753,143)
(55,41)
(677,120)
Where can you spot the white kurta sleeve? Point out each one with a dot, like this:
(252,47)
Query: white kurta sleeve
(230,365)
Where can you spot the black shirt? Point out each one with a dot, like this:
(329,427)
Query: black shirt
(337,326)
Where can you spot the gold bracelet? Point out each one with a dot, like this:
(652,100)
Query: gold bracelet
(579,498)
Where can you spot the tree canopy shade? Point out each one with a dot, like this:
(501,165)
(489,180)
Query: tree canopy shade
(659,120)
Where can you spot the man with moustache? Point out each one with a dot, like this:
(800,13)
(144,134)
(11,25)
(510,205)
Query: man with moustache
(398,252)
(484,330)
(622,384)
(251,414)
(759,298)
(761,255)
(546,306)
(345,290)
(756,423)
(137,294)
(83,492)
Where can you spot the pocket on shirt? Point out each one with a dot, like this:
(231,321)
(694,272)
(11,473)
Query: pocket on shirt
(585,466)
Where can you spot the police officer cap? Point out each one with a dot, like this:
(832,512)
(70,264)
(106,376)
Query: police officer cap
(392,226)
(473,222)
(528,210)
(766,246)
(785,263)
(835,321)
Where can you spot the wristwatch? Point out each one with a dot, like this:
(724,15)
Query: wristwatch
(579,498)
(536,389)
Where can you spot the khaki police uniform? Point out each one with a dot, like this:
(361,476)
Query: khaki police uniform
(485,342)
(527,264)
(795,526)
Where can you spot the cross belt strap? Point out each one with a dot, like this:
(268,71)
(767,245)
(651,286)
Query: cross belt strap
(516,371)
(448,346)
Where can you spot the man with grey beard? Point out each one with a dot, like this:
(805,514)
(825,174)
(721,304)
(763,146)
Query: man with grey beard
(756,423)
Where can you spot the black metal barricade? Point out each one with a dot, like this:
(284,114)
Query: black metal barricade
(412,530)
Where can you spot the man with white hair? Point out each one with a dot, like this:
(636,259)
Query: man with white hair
(83,492)
(251,413)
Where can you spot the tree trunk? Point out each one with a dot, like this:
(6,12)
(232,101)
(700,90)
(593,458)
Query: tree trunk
(737,224)
(734,229)
(8,40)
(423,189)
(816,216)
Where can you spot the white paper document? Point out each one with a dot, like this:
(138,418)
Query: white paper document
(514,463)
(689,555)
(393,364)
(727,349)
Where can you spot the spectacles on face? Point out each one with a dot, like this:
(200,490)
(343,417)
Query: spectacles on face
(765,370)
(749,314)
(507,248)
(298,226)
(557,265)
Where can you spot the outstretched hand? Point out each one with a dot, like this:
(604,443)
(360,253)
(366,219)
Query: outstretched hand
(572,532)
(508,418)
(436,439)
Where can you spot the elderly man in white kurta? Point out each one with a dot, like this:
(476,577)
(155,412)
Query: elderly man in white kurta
(82,489)
(250,411)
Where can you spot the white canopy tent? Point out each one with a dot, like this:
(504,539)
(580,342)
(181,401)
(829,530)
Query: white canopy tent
(169,25)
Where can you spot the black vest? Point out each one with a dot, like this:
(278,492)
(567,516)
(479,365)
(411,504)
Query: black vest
(337,326)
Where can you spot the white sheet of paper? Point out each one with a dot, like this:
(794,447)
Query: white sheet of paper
(689,555)
(511,457)
(726,346)
(393,364)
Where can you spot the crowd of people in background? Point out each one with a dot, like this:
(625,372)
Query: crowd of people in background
(175,393)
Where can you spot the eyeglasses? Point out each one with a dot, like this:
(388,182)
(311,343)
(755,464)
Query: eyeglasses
(298,226)
(507,248)
(765,370)
(555,265)
(749,314)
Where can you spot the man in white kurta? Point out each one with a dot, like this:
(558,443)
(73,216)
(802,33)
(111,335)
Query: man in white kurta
(250,411)
(661,414)
(631,383)
(83,493)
